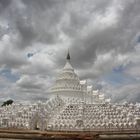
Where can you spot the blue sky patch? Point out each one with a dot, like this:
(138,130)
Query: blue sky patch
(30,55)
(117,77)
(138,39)
(8,74)
(119,69)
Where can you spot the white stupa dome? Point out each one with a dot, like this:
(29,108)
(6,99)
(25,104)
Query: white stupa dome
(68,84)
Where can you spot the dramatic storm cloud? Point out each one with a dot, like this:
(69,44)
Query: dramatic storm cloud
(103,37)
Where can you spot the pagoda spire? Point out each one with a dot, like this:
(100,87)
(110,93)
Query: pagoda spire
(68,55)
(68,65)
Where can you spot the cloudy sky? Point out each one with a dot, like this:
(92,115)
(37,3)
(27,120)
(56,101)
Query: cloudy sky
(103,37)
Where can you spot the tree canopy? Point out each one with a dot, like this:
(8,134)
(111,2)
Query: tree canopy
(8,102)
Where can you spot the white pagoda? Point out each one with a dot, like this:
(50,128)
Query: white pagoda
(68,85)
(73,106)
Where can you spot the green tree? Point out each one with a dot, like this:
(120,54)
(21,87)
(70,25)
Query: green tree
(8,102)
